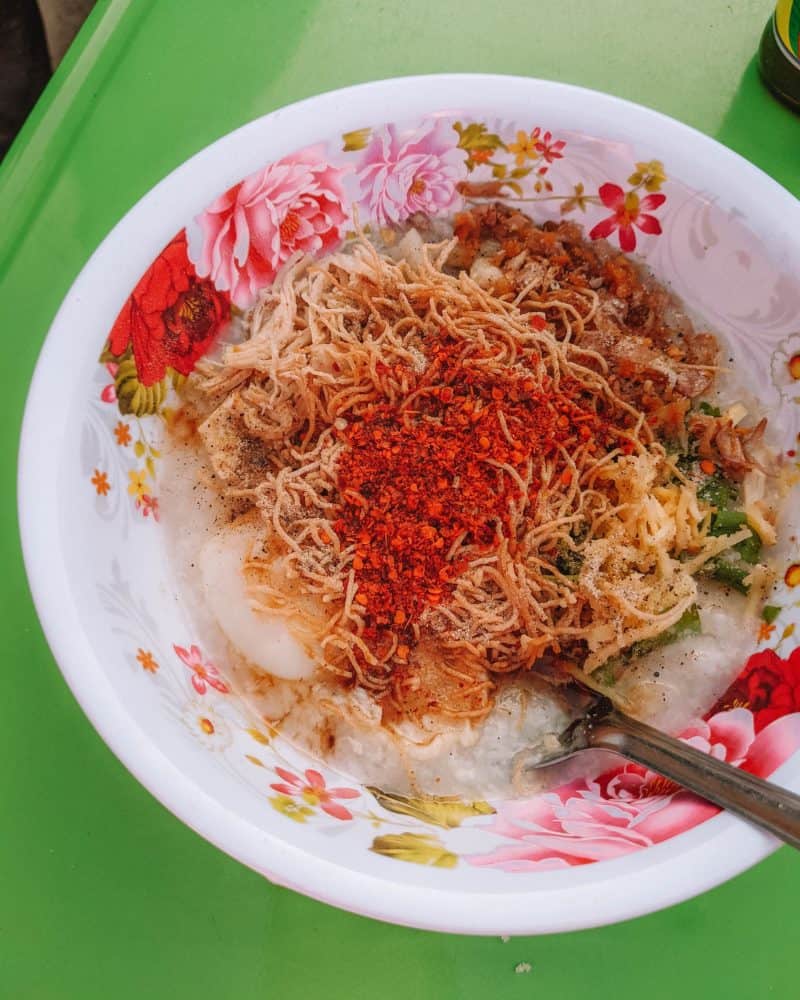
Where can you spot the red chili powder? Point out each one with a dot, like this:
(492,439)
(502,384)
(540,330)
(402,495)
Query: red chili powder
(416,478)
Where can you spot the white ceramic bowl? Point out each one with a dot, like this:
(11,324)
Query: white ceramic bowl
(115,620)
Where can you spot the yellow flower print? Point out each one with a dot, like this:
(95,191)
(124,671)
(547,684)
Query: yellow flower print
(577,199)
(290,808)
(524,148)
(137,485)
(649,175)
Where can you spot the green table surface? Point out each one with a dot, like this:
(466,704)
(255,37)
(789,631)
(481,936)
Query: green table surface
(103,893)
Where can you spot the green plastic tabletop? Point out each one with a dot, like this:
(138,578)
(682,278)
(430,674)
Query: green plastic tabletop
(104,893)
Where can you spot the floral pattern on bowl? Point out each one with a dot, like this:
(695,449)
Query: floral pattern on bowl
(306,202)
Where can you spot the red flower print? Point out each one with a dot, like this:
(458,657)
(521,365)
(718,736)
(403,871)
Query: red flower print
(546,148)
(171,317)
(148,505)
(203,674)
(629,211)
(769,686)
(314,792)
(109,393)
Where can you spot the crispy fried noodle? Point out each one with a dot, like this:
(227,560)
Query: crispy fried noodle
(462,467)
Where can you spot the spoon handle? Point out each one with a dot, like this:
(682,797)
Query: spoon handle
(753,799)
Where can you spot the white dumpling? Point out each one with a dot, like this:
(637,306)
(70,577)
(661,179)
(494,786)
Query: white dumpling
(263,639)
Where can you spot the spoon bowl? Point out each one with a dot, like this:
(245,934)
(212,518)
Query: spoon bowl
(602,726)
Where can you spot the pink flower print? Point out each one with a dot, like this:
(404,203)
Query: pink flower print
(629,211)
(630,807)
(203,674)
(314,792)
(109,393)
(546,147)
(398,176)
(148,505)
(727,736)
(296,204)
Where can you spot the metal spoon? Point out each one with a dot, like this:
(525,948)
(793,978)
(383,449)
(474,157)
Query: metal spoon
(604,727)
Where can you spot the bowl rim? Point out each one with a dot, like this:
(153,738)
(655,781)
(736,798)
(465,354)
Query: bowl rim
(709,854)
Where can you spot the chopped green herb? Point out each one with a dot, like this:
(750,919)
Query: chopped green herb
(686,462)
(709,410)
(729,573)
(726,522)
(688,624)
(750,548)
(568,561)
(732,567)
(770,612)
(606,674)
(580,532)
(719,492)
